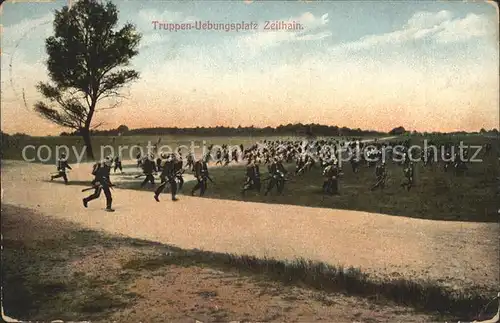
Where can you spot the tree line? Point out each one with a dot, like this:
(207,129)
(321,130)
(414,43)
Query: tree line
(298,129)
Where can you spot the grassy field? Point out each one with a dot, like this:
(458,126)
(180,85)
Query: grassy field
(56,270)
(436,194)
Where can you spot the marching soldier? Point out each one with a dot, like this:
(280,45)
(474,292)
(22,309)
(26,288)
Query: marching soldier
(148,168)
(408,173)
(226,157)
(201,174)
(139,160)
(331,183)
(118,164)
(167,176)
(277,174)
(448,160)
(62,164)
(190,161)
(218,157)
(179,170)
(101,182)
(355,164)
(159,162)
(381,175)
(252,178)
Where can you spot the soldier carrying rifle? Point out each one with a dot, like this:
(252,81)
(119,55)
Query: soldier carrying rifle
(252,178)
(101,182)
(201,174)
(381,175)
(331,182)
(148,169)
(168,166)
(408,173)
(62,164)
(276,178)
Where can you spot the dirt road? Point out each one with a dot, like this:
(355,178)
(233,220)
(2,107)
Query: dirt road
(454,253)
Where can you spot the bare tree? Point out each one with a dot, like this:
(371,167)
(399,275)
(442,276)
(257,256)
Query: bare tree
(85,55)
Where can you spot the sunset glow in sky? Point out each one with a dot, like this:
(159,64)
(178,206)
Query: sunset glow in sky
(428,66)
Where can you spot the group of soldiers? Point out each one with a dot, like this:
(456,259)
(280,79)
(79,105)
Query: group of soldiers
(306,155)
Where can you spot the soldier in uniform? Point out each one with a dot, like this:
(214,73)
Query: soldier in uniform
(381,175)
(101,182)
(179,170)
(449,160)
(252,178)
(139,160)
(148,168)
(234,155)
(218,157)
(118,165)
(354,163)
(331,182)
(167,175)
(190,161)
(159,163)
(62,164)
(201,174)
(277,174)
(408,173)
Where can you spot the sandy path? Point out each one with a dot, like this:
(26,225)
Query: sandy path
(454,252)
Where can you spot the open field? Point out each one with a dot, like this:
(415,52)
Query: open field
(453,255)
(436,195)
(444,270)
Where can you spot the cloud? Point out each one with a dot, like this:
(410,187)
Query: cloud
(439,27)
(152,39)
(27,29)
(313,30)
(464,29)
(426,19)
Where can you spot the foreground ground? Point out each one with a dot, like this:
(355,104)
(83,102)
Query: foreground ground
(58,270)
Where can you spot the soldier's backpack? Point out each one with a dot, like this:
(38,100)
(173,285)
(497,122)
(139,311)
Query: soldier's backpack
(96,168)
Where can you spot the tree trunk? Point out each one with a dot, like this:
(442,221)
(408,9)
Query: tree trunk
(88,144)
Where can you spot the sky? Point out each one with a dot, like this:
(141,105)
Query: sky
(426,65)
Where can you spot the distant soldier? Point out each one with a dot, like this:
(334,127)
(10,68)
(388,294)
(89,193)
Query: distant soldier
(159,163)
(62,164)
(277,174)
(381,176)
(139,160)
(190,161)
(118,165)
(201,174)
(299,165)
(167,176)
(226,157)
(408,173)
(234,155)
(331,182)
(101,182)
(354,160)
(252,178)
(218,157)
(148,169)
(179,170)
